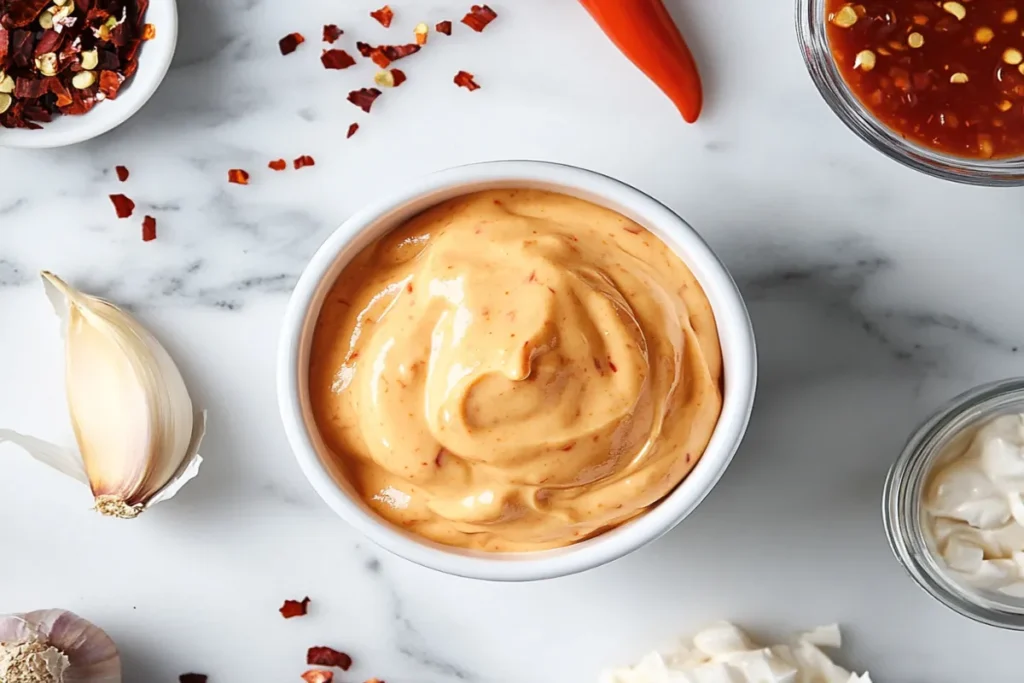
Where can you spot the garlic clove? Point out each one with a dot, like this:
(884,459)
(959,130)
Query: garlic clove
(138,435)
(56,646)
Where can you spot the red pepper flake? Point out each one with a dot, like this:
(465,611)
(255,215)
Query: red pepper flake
(364,98)
(336,59)
(365,49)
(479,16)
(122,173)
(384,15)
(568,447)
(122,205)
(408,287)
(612,365)
(382,55)
(290,42)
(379,58)
(444,27)
(318,676)
(464,79)
(294,608)
(632,229)
(325,656)
(238,176)
(148,229)
(149,32)
(331,33)
(440,457)
(399,77)
(303,161)
(352,130)
(110,84)
(192,678)
(277,165)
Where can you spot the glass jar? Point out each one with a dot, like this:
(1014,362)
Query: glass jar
(813,37)
(903,500)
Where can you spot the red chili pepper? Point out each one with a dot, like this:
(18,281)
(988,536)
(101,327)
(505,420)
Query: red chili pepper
(644,31)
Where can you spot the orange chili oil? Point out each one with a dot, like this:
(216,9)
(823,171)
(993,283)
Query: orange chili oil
(946,75)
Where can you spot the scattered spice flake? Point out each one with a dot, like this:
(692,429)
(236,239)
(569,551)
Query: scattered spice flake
(444,27)
(325,656)
(238,176)
(148,229)
(149,32)
(331,33)
(479,16)
(122,205)
(318,676)
(464,79)
(192,678)
(110,84)
(290,42)
(277,165)
(612,365)
(352,130)
(293,608)
(365,49)
(364,98)
(379,58)
(390,78)
(122,173)
(303,161)
(383,55)
(384,15)
(396,52)
(421,33)
(336,59)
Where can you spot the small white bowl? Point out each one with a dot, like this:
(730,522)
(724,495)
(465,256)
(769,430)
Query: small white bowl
(734,329)
(154,61)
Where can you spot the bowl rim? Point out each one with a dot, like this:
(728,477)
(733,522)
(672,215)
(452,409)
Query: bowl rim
(735,333)
(155,59)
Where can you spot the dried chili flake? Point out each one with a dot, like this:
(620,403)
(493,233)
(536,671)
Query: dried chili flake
(303,161)
(336,59)
(396,52)
(364,98)
(192,678)
(148,32)
(352,129)
(478,17)
(379,58)
(325,656)
(365,49)
(278,165)
(148,229)
(444,27)
(122,205)
(331,33)
(122,173)
(110,84)
(290,42)
(23,12)
(238,176)
(293,608)
(464,79)
(384,15)
(318,676)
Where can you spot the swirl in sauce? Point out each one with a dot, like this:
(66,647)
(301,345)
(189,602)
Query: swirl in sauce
(515,370)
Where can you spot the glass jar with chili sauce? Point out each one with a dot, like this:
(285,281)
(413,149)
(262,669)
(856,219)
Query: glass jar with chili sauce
(935,84)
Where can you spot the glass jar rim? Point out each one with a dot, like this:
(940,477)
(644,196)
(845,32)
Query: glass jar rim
(904,486)
(812,35)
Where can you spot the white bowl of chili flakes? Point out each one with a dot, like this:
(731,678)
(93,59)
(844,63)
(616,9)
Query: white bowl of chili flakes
(126,74)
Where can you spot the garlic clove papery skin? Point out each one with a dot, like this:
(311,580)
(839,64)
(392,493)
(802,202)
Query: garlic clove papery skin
(137,431)
(58,644)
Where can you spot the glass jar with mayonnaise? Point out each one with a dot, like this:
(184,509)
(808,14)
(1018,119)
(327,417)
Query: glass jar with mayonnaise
(953,506)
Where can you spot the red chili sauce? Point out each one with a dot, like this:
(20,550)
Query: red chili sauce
(946,75)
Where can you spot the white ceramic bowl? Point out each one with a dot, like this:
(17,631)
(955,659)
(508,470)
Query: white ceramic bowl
(361,229)
(154,61)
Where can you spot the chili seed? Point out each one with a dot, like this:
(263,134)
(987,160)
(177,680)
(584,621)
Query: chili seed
(1004,105)
(83,80)
(956,9)
(845,18)
(959,78)
(5,102)
(915,40)
(865,60)
(1013,56)
(1009,16)
(984,35)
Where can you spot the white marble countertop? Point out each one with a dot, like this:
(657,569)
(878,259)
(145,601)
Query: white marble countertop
(877,293)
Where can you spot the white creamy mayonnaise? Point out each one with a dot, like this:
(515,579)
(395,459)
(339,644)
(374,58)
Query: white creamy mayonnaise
(974,509)
(723,653)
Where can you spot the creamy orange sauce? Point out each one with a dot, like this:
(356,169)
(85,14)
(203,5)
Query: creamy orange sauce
(515,370)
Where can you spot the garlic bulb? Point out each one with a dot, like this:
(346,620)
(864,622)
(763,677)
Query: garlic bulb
(56,646)
(136,429)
